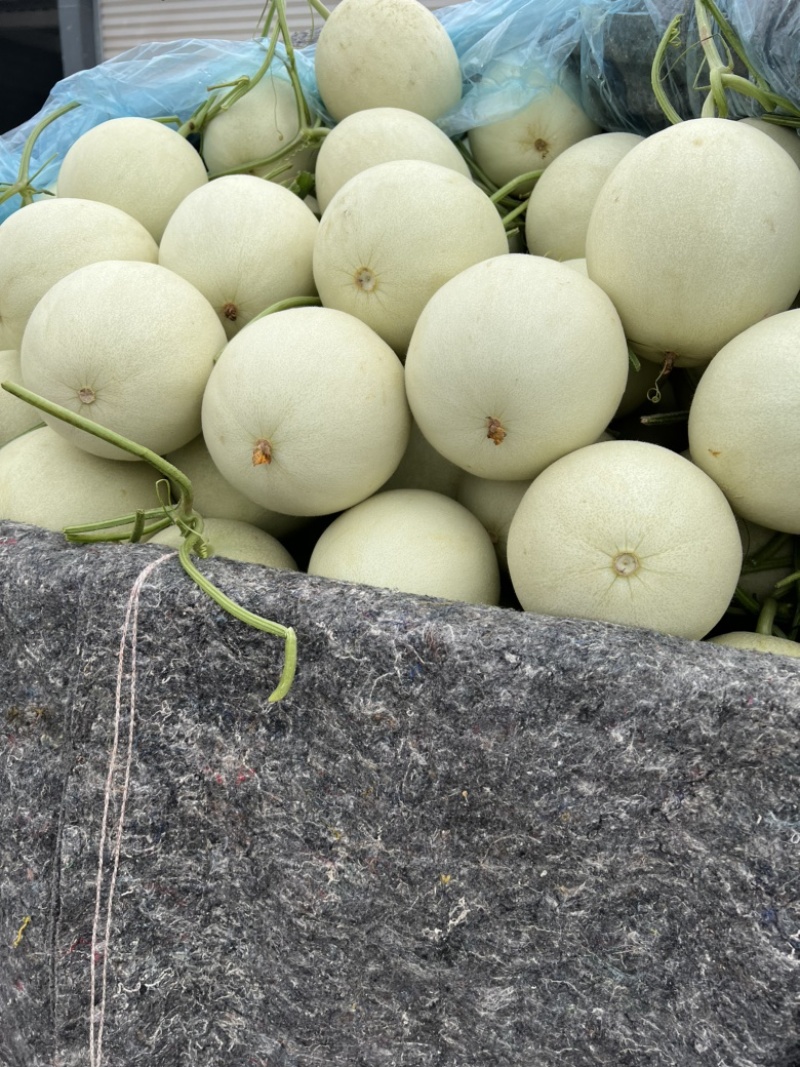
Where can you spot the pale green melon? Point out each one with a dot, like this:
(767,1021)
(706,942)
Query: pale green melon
(413,540)
(141,166)
(15,415)
(48,482)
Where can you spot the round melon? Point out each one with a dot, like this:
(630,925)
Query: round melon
(141,166)
(514,362)
(386,53)
(561,202)
(244,243)
(695,236)
(16,416)
(48,482)
(393,234)
(753,642)
(626,532)
(380,135)
(128,345)
(532,138)
(49,239)
(413,540)
(257,125)
(305,411)
(744,422)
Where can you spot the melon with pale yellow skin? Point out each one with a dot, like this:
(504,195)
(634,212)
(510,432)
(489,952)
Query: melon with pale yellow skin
(695,236)
(413,540)
(305,411)
(47,240)
(141,166)
(386,53)
(244,243)
(626,532)
(393,234)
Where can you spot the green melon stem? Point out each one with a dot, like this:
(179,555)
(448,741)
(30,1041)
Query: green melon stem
(182,514)
(670,39)
(766,617)
(23,186)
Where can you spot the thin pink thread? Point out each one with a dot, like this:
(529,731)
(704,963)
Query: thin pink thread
(131,623)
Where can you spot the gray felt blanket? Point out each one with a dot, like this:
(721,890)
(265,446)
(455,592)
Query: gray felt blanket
(469,837)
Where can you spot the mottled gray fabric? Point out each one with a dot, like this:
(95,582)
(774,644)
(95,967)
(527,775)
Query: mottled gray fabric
(469,837)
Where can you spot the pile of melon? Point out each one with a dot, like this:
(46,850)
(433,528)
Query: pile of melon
(388,356)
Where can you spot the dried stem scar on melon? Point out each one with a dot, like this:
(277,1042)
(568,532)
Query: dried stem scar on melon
(513,363)
(244,243)
(393,234)
(305,411)
(128,345)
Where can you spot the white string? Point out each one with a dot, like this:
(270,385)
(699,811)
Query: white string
(131,623)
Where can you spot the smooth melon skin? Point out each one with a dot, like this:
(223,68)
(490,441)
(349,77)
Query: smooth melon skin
(48,240)
(256,126)
(561,202)
(232,539)
(413,540)
(16,416)
(386,53)
(695,236)
(244,243)
(514,362)
(129,346)
(393,234)
(305,411)
(494,503)
(138,165)
(532,139)
(48,482)
(379,135)
(626,532)
(753,642)
(744,422)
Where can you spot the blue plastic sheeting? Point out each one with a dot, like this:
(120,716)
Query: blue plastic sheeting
(509,50)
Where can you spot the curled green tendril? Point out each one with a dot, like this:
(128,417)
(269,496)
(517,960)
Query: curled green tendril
(180,514)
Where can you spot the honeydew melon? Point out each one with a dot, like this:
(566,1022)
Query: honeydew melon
(561,202)
(136,164)
(48,482)
(378,135)
(514,362)
(753,642)
(695,236)
(257,125)
(533,137)
(393,234)
(244,243)
(413,540)
(744,426)
(47,240)
(386,53)
(305,411)
(15,415)
(494,503)
(128,345)
(626,532)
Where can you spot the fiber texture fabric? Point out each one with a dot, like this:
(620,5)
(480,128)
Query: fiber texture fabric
(469,837)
